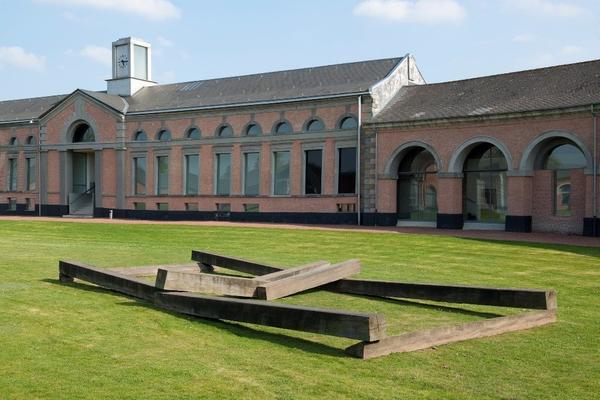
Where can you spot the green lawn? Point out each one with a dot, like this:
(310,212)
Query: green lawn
(78,341)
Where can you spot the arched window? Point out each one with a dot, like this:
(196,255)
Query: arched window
(561,159)
(164,135)
(225,131)
(417,180)
(484,185)
(193,134)
(83,134)
(140,136)
(253,129)
(12,141)
(315,125)
(30,140)
(283,127)
(348,123)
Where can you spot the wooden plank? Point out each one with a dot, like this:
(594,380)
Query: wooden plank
(501,297)
(362,326)
(152,270)
(206,283)
(448,334)
(236,264)
(308,280)
(68,270)
(285,273)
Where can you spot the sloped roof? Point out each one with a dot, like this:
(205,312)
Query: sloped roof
(24,109)
(540,89)
(328,80)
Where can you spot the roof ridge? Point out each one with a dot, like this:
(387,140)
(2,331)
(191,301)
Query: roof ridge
(279,71)
(511,73)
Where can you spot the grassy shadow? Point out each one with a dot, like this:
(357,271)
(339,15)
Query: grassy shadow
(580,250)
(231,327)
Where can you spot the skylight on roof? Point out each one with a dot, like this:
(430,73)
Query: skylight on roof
(188,87)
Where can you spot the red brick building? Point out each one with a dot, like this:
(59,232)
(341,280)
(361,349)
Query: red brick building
(367,142)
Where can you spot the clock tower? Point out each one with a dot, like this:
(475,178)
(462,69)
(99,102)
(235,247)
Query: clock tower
(131,67)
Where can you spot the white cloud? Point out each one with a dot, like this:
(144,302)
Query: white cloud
(572,49)
(15,56)
(423,11)
(99,54)
(156,10)
(547,7)
(524,38)
(163,41)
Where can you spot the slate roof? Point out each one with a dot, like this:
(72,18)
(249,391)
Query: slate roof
(540,89)
(24,109)
(328,80)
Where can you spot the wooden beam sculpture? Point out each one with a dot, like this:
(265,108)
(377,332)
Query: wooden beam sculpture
(272,282)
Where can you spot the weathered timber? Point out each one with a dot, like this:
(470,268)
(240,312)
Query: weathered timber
(235,264)
(152,270)
(362,326)
(108,279)
(502,297)
(308,280)
(286,273)
(206,283)
(448,334)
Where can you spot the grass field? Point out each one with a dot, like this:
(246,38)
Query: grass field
(76,341)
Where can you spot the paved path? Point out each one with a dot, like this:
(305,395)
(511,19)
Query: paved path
(536,237)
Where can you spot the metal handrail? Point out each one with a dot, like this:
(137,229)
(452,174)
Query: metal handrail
(84,193)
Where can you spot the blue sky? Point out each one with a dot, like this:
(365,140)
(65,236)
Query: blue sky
(55,46)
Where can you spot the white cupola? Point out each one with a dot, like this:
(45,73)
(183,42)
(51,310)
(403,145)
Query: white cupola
(131,67)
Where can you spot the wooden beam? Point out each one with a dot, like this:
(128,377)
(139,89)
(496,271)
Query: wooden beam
(152,270)
(288,272)
(236,264)
(206,283)
(367,327)
(501,297)
(448,334)
(308,280)
(69,270)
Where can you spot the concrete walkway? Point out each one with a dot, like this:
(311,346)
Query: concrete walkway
(552,238)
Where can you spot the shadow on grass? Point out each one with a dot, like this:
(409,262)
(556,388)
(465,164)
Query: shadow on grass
(580,250)
(234,328)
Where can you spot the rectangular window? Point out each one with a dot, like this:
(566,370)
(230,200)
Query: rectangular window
(281,173)
(162,175)
(192,169)
(223,207)
(347,170)
(140,54)
(139,175)
(313,169)
(12,175)
(562,193)
(223,174)
(251,174)
(251,208)
(12,204)
(162,206)
(139,206)
(191,206)
(31,174)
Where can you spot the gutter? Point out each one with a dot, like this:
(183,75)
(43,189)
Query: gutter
(594,172)
(358,170)
(250,104)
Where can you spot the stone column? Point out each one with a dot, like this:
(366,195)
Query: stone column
(519,198)
(449,198)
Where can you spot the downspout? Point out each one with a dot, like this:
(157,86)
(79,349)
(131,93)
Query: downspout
(358,171)
(594,172)
(39,170)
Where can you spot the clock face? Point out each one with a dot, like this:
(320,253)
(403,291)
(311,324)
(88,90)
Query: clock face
(123,61)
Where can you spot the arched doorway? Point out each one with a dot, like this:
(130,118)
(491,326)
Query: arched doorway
(484,185)
(81,195)
(416,195)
